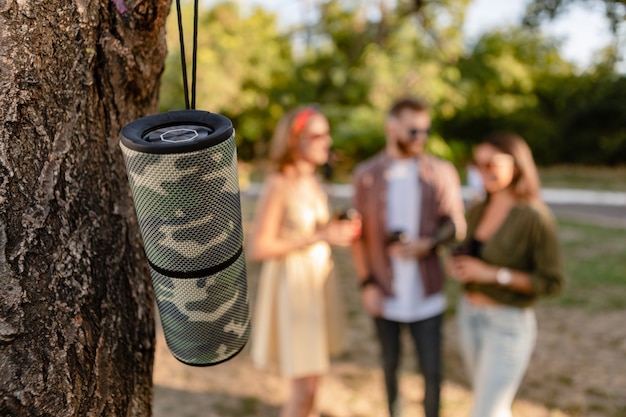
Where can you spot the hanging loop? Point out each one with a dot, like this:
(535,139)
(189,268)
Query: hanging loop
(194,55)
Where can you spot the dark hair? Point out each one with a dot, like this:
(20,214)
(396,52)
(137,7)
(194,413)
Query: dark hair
(411,103)
(526,184)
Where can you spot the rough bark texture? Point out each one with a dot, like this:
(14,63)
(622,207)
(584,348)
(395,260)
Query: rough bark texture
(76,305)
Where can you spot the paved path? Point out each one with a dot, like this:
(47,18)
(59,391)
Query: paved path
(602,215)
(604,208)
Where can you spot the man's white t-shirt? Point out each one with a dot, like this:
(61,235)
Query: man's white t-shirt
(408,304)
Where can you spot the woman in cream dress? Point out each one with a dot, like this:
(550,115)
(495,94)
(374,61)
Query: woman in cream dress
(298,322)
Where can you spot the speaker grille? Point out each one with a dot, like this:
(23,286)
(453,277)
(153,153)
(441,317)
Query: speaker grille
(188,206)
(204,319)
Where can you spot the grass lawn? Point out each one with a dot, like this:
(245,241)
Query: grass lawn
(584,177)
(577,369)
(560,176)
(595,263)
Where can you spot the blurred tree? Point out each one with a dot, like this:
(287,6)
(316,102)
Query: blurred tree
(515,80)
(500,79)
(538,10)
(353,64)
(615,11)
(361,59)
(593,127)
(242,63)
(355,57)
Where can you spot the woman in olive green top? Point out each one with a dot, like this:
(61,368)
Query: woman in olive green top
(509,258)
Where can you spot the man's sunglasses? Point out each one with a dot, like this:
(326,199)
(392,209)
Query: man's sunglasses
(414,133)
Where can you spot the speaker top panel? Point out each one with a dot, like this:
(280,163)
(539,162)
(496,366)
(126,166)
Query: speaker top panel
(177,131)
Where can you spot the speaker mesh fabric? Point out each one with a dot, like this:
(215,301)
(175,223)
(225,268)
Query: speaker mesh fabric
(197,314)
(187,201)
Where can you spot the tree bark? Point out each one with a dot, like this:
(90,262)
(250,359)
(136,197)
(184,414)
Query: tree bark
(76,304)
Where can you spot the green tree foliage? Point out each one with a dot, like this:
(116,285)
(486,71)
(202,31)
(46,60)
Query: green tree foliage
(515,80)
(353,65)
(593,121)
(243,61)
(355,58)
(359,60)
(591,106)
(500,80)
(538,10)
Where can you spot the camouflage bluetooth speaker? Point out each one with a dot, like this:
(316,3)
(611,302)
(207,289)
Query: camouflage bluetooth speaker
(182,169)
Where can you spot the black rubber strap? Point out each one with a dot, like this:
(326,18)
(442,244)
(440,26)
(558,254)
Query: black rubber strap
(201,273)
(195,54)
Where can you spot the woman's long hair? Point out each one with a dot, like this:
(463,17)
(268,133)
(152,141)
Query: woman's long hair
(526,184)
(286,134)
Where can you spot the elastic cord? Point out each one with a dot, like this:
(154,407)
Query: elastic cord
(182,55)
(195,55)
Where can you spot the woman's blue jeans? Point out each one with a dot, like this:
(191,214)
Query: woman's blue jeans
(426,335)
(496,343)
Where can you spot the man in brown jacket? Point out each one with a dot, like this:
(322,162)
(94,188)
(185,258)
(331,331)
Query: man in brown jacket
(410,203)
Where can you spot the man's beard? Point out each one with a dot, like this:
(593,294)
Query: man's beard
(404,147)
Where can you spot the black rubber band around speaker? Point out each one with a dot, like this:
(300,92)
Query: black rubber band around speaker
(133,134)
(201,273)
(204,365)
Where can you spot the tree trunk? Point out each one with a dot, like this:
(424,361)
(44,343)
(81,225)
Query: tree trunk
(76,304)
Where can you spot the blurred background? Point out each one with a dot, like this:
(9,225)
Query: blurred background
(552,71)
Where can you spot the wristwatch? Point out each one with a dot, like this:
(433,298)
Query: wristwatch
(504,276)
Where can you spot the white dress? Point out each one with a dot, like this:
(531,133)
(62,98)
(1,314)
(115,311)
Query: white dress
(298,321)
